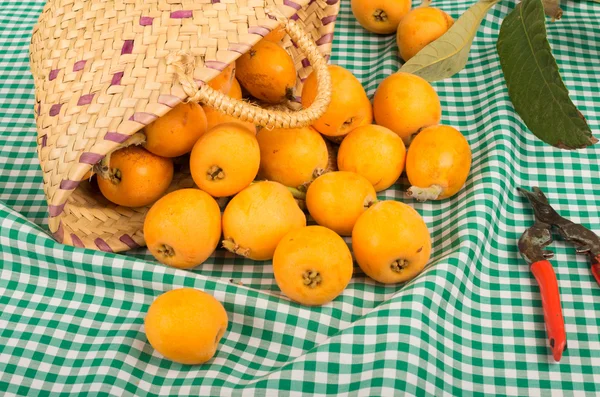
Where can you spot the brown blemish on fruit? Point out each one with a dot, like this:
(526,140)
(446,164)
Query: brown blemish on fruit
(311,278)
(166,250)
(399,265)
(379,15)
(215,173)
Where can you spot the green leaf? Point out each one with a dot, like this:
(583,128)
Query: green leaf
(448,54)
(534,83)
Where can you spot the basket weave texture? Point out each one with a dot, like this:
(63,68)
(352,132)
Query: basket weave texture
(101,74)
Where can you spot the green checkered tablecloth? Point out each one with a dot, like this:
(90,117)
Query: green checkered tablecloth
(71,320)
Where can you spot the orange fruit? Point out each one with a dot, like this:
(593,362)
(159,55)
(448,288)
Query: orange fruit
(438,163)
(214,117)
(374,152)
(380,16)
(419,27)
(135,177)
(258,217)
(349,108)
(406,103)
(276,35)
(223,82)
(183,228)
(336,200)
(391,242)
(185,325)
(292,157)
(267,72)
(225,160)
(175,133)
(236,90)
(312,265)
(88,175)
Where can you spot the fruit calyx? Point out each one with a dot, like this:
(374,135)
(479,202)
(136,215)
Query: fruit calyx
(380,15)
(398,265)
(230,245)
(425,193)
(215,173)
(102,168)
(311,278)
(369,202)
(289,93)
(166,250)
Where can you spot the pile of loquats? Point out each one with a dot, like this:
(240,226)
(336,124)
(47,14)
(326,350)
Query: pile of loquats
(268,179)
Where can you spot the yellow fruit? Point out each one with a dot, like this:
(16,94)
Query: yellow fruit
(175,133)
(380,16)
(292,157)
(336,200)
(258,217)
(186,325)
(225,160)
(214,117)
(183,228)
(136,177)
(267,72)
(406,103)
(420,27)
(312,265)
(236,90)
(223,82)
(438,163)
(374,152)
(349,108)
(391,242)
(276,35)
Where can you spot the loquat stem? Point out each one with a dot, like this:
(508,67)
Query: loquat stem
(230,245)
(425,193)
(298,194)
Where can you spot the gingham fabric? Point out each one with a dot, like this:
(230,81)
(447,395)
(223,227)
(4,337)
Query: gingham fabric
(71,320)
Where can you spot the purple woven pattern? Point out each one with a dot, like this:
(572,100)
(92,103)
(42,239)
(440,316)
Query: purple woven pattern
(290,3)
(128,241)
(67,184)
(59,234)
(143,117)
(90,158)
(146,21)
(115,137)
(76,241)
(56,210)
(85,99)
(116,79)
(102,245)
(182,14)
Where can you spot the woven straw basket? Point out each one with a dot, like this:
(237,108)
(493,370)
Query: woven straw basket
(103,69)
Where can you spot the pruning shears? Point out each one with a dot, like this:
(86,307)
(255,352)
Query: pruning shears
(532,246)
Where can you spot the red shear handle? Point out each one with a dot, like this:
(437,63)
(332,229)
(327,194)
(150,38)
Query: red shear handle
(555,324)
(596,268)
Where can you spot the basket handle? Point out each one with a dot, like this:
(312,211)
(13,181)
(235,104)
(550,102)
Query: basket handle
(184,65)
